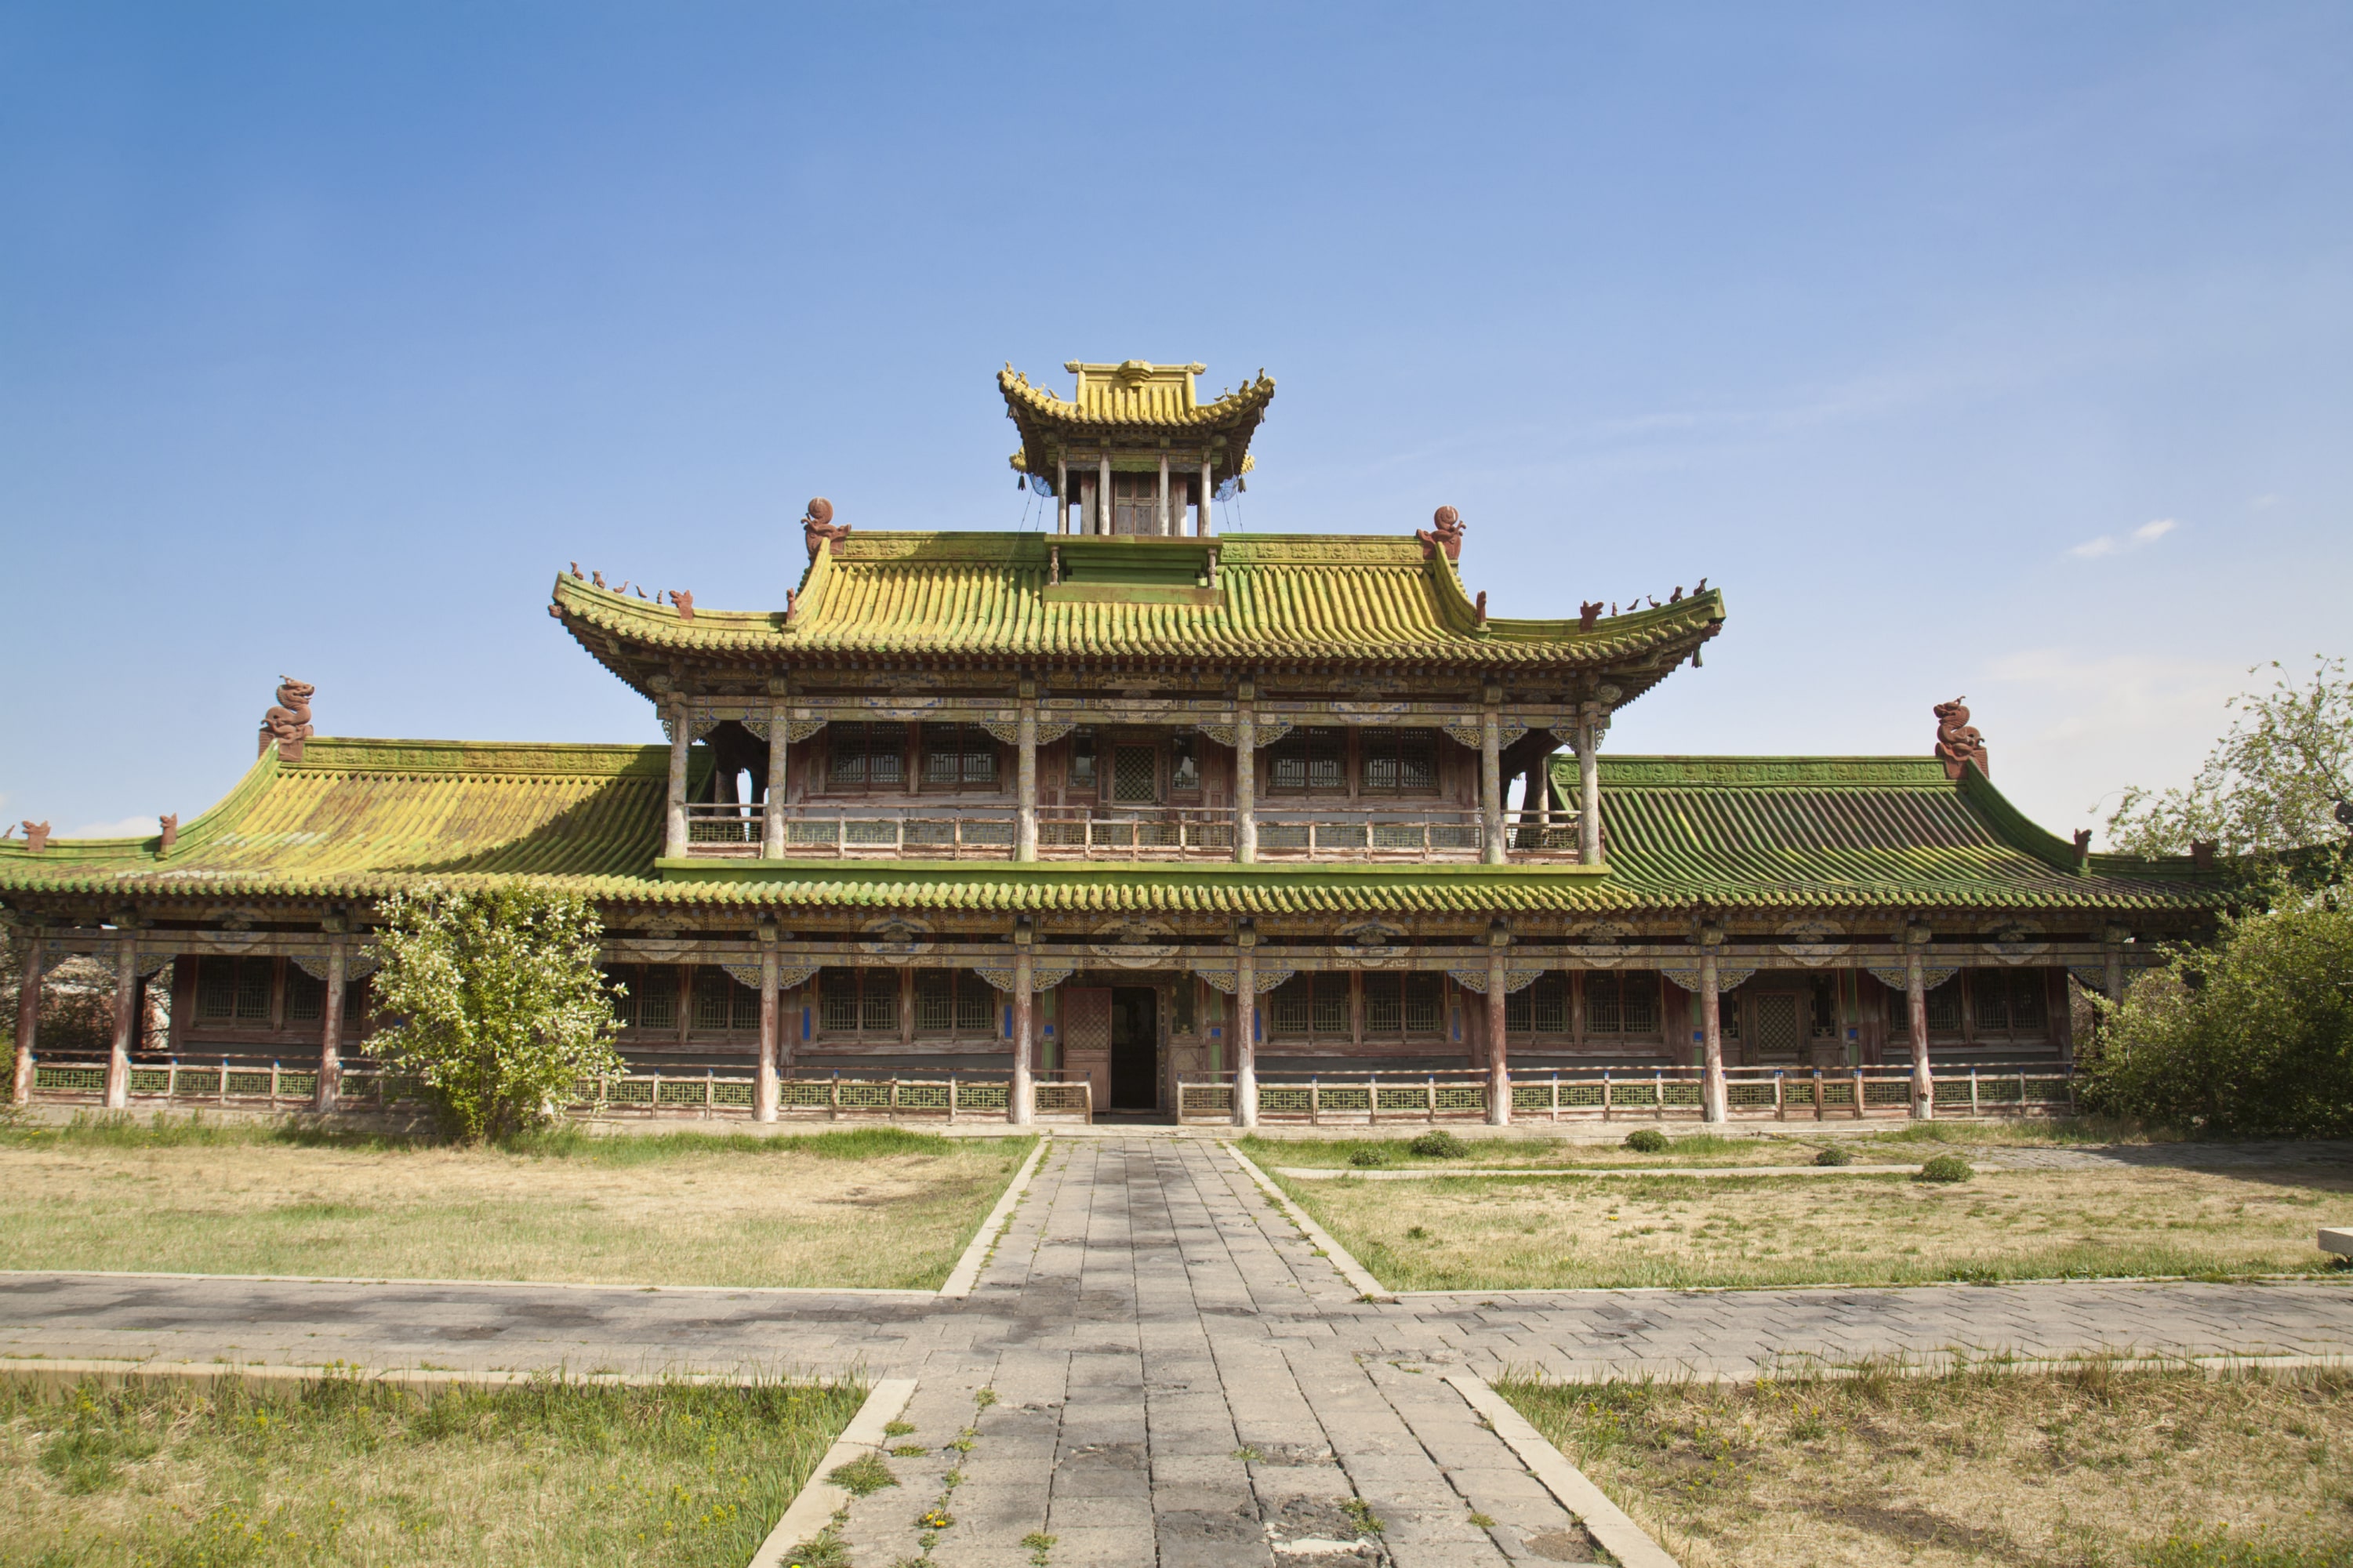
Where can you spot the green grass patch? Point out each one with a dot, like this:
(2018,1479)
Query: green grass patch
(347,1471)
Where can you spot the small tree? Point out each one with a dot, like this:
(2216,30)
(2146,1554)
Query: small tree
(2270,785)
(2252,1038)
(495,1000)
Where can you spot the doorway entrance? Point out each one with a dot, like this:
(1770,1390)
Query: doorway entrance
(1135,1048)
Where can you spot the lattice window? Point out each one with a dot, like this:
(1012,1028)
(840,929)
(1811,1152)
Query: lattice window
(1943,1010)
(1308,759)
(2010,1001)
(1775,1016)
(1540,1007)
(306,999)
(866,755)
(859,1001)
(721,1002)
(1398,762)
(656,996)
(1081,779)
(953,1001)
(621,986)
(233,989)
(1134,775)
(958,756)
(1625,1004)
(1312,1004)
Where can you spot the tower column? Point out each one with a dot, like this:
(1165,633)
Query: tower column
(1021,1101)
(1499,1065)
(1246,1028)
(126,1022)
(1162,514)
(681,736)
(1491,776)
(772,814)
(1916,996)
(1245,771)
(1061,492)
(330,1029)
(1025,831)
(1714,1100)
(28,1019)
(763,1087)
(1202,525)
(1103,494)
(1589,788)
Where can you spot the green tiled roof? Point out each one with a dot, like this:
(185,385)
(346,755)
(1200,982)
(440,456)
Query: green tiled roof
(1128,405)
(1850,831)
(1333,599)
(357,819)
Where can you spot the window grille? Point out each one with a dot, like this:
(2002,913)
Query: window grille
(958,756)
(1312,1004)
(621,986)
(1082,761)
(1624,1003)
(1540,1007)
(723,1002)
(233,989)
(1134,775)
(1308,759)
(1135,503)
(866,755)
(306,999)
(2009,1001)
(859,1001)
(953,1001)
(1943,1010)
(1399,762)
(656,998)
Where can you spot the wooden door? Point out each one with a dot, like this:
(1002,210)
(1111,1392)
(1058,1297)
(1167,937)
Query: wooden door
(1777,1027)
(1086,1039)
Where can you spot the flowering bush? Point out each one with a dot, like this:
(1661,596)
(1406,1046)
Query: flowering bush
(495,1000)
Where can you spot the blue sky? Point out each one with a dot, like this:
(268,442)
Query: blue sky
(1995,350)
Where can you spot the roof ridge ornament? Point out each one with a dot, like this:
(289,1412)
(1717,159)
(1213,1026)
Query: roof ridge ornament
(818,531)
(1445,532)
(287,725)
(1958,741)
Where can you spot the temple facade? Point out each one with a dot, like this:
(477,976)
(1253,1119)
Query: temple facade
(1141,818)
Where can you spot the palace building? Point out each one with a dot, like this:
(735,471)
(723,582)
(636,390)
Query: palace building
(1135,816)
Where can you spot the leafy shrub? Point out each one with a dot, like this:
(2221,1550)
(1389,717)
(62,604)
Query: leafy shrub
(1440,1144)
(2251,1038)
(496,1000)
(1944,1168)
(1834,1154)
(1647,1141)
(1379,1154)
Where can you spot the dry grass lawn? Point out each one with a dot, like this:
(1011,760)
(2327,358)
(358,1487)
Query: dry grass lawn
(872,1208)
(1596,1147)
(2092,1468)
(343,1472)
(1499,1233)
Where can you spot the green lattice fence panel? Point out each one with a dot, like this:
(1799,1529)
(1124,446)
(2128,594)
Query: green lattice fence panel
(1409,1098)
(298,1085)
(860,1094)
(1459,1099)
(680,1091)
(1346,1100)
(1282,1099)
(803,1094)
(735,1093)
(249,1084)
(151,1081)
(1952,1093)
(1581,1095)
(921,1098)
(1634,1094)
(1208,1099)
(1748,1094)
(1838,1093)
(1679,1093)
(979,1096)
(1886,1091)
(1061,1098)
(637,1092)
(1532,1096)
(69,1079)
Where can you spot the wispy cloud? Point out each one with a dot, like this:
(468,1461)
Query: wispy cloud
(126,827)
(2111,544)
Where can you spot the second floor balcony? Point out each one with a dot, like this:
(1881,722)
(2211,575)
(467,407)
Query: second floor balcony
(916,829)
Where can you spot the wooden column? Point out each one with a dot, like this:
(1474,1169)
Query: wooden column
(1588,793)
(28,1021)
(331,1029)
(1163,506)
(1714,1100)
(1202,525)
(2113,980)
(1246,1030)
(1491,775)
(126,1023)
(1062,493)
(1021,1099)
(772,814)
(763,1087)
(1025,775)
(1916,996)
(1499,1065)
(1245,771)
(681,736)
(1102,495)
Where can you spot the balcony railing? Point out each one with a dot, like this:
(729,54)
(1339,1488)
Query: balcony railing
(913,828)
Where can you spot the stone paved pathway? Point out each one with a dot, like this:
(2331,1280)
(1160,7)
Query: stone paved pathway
(1177,1377)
